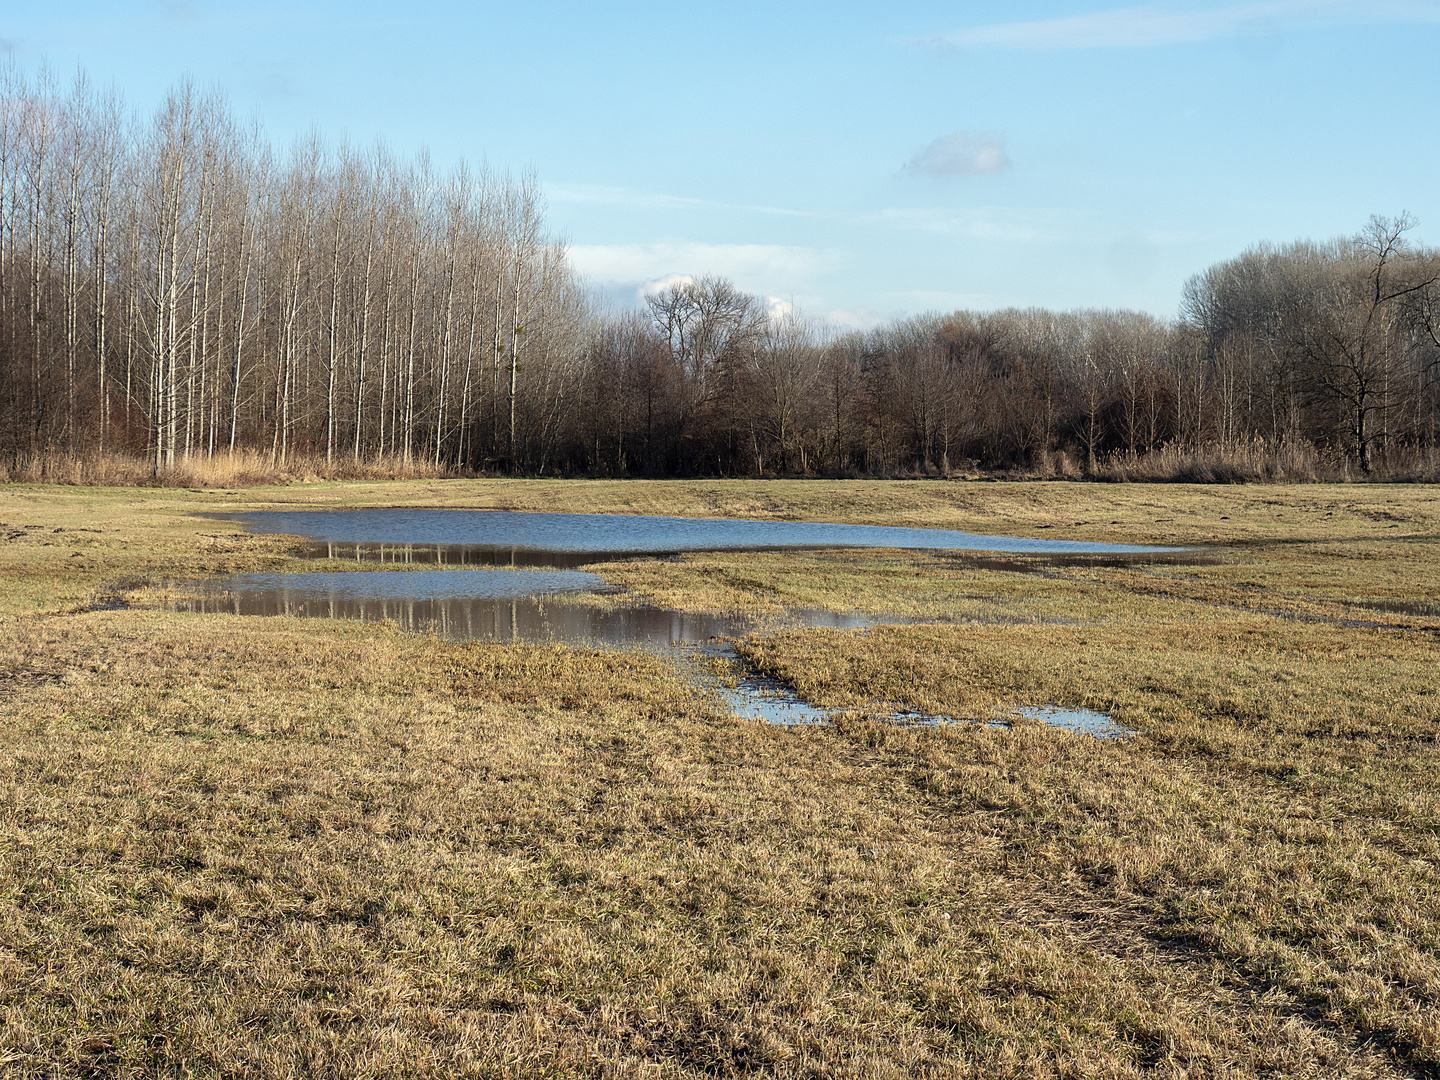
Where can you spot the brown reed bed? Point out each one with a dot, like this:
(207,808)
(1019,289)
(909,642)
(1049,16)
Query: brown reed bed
(227,469)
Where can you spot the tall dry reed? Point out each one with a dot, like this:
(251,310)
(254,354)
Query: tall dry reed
(242,468)
(1254,461)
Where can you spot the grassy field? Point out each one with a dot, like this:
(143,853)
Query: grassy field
(271,847)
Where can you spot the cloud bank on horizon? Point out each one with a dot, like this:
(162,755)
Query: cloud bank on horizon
(625,275)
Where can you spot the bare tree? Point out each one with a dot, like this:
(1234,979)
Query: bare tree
(1351,340)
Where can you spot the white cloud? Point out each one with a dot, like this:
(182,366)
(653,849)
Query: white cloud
(660,284)
(627,273)
(961,153)
(777,308)
(1137,27)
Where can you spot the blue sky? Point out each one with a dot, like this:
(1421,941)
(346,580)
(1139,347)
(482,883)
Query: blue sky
(861,161)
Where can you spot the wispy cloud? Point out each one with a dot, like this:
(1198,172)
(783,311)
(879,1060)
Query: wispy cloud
(1150,25)
(602,195)
(961,153)
(1008,224)
(1011,226)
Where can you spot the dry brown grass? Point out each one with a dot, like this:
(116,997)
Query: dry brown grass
(241,468)
(1278,812)
(276,848)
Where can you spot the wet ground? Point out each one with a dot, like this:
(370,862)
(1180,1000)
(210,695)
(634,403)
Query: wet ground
(531,590)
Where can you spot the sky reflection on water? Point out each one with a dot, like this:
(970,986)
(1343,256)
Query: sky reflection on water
(534,606)
(502,537)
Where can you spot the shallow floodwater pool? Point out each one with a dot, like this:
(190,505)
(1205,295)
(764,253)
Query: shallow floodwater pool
(414,585)
(523,603)
(504,537)
(500,605)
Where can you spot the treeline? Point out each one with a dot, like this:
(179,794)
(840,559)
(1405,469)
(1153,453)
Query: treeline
(172,288)
(1287,361)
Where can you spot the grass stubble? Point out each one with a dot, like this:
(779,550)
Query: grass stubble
(274,847)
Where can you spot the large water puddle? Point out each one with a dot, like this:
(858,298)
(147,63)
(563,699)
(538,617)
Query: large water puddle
(509,538)
(514,600)
(276,593)
(532,606)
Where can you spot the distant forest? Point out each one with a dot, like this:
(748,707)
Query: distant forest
(172,288)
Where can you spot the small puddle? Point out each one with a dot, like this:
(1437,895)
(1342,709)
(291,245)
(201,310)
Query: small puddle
(503,605)
(759,697)
(1081,721)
